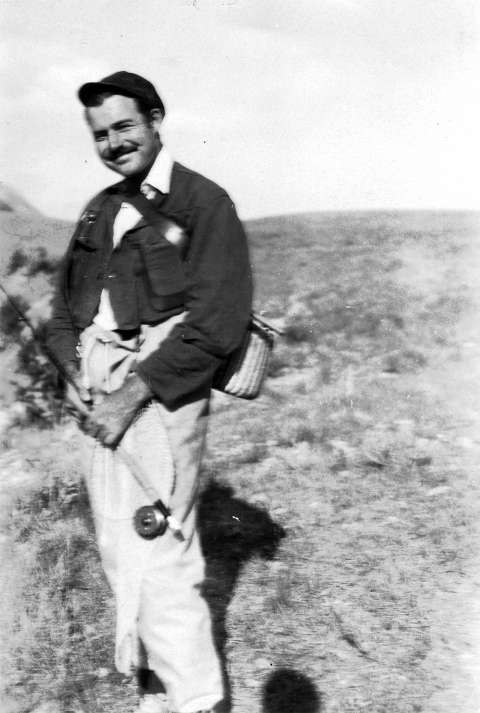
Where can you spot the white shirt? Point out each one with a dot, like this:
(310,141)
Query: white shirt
(158,179)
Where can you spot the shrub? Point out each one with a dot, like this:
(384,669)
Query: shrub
(38,261)
(42,394)
(42,390)
(42,263)
(12,323)
(18,259)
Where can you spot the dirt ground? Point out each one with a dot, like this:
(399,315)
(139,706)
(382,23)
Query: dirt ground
(459,609)
(340,511)
(456,609)
(445,676)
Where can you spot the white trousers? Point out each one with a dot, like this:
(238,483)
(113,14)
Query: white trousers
(157,583)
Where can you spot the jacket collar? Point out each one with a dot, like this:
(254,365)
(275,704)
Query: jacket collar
(160,175)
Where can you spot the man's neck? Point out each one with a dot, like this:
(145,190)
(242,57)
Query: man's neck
(134,182)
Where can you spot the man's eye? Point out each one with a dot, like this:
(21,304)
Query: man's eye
(125,129)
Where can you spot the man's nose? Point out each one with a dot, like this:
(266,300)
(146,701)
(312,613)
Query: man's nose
(114,140)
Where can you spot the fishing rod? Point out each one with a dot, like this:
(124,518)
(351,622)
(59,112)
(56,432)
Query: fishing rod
(150,520)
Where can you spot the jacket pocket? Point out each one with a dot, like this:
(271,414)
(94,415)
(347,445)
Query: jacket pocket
(83,250)
(163,267)
(85,231)
(80,268)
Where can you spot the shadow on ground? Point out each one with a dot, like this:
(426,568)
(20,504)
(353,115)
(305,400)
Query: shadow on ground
(287,690)
(232,531)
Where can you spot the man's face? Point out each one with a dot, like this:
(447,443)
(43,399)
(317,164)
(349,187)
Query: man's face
(126,140)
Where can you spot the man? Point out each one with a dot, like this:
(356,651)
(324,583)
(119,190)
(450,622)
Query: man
(146,311)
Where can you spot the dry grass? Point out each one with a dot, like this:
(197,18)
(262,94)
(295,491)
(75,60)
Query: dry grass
(338,509)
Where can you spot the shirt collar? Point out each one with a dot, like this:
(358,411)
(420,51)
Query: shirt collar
(160,174)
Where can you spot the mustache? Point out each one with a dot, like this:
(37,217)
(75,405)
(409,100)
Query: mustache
(113,154)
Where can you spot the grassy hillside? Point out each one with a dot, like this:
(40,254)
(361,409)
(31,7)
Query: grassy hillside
(339,510)
(29,232)
(31,247)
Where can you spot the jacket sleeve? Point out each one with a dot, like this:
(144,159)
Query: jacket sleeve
(218,305)
(60,333)
(62,336)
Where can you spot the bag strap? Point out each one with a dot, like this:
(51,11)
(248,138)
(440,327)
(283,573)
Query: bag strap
(156,219)
(170,230)
(258,321)
(152,215)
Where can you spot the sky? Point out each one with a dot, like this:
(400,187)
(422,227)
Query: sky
(291,105)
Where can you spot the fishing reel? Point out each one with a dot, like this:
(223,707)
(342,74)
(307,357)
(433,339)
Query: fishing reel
(150,521)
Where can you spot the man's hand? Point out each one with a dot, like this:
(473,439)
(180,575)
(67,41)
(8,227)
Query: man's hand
(108,420)
(76,394)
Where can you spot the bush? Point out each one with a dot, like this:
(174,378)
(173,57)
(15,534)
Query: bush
(42,395)
(18,259)
(38,262)
(42,263)
(41,392)
(12,323)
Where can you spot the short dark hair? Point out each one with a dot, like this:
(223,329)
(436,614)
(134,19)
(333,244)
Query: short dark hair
(97,99)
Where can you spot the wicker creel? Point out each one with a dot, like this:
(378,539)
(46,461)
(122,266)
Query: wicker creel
(246,368)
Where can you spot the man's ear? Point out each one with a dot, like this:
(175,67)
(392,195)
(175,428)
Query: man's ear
(156,117)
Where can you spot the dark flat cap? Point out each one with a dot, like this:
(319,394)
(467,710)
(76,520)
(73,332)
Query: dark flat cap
(126,83)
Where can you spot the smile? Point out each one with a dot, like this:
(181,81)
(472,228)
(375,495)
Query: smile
(124,157)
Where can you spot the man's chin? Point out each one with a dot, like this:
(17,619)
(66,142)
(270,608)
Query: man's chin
(124,168)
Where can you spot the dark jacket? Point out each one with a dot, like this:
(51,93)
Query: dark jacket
(148,281)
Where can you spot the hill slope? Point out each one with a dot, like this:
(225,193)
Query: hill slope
(22,227)
(12,201)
